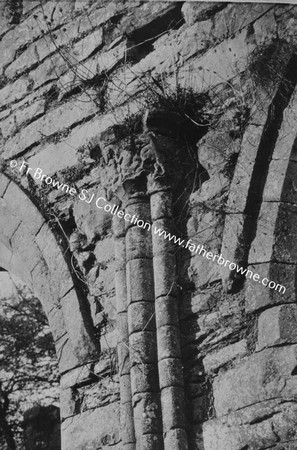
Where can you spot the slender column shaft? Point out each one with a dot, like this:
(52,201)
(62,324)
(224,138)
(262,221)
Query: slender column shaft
(168,336)
(126,410)
(142,329)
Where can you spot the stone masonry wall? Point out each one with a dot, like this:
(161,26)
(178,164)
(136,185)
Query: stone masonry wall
(183,113)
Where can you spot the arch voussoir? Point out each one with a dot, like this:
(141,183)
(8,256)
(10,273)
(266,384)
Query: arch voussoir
(29,249)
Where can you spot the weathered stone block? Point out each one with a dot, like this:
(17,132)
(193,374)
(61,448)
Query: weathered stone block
(67,403)
(164,275)
(259,296)
(160,244)
(57,267)
(54,157)
(148,412)
(125,386)
(141,316)
(277,326)
(5,253)
(4,182)
(110,340)
(143,348)
(168,342)
(233,243)
(28,31)
(286,19)
(198,304)
(161,205)
(86,46)
(23,246)
(55,121)
(214,150)
(170,373)
(27,113)
(176,437)
(144,378)
(118,228)
(230,57)
(234,18)
(104,250)
(262,425)
(97,394)
(140,211)
(4,18)
(124,358)
(28,5)
(166,311)
(138,243)
(18,268)
(121,291)
(24,208)
(276,231)
(244,168)
(9,220)
(203,271)
(173,413)
(103,429)
(265,28)
(42,286)
(77,376)
(275,190)
(191,42)
(25,60)
(213,361)
(262,376)
(50,69)
(14,91)
(105,280)
(65,354)
(198,12)
(141,287)
(149,441)
(122,326)
(99,15)
(285,148)
(79,328)
(8,126)
(119,254)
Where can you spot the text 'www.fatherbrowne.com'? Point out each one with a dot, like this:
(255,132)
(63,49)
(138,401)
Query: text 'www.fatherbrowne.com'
(199,249)
(102,204)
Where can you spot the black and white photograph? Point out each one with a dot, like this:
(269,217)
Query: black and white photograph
(148,225)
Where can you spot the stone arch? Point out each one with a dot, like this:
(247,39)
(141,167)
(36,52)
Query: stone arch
(29,249)
(270,251)
(259,186)
(273,250)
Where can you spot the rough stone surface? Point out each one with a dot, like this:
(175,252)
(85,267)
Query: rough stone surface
(76,80)
(263,425)
(264,375)
(76,436)
(283,275)
(214,361)
(274,240)
(277,326)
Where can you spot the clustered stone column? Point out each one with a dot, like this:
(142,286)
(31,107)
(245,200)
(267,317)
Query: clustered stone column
(150,364)
(141,325)
(167,321)
(126,411)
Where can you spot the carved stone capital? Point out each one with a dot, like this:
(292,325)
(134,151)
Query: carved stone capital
(153,160)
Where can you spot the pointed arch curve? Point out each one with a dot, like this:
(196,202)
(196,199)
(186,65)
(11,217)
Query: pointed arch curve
(28,249)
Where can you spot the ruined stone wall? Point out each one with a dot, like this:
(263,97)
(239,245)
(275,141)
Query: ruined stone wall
(184,114)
